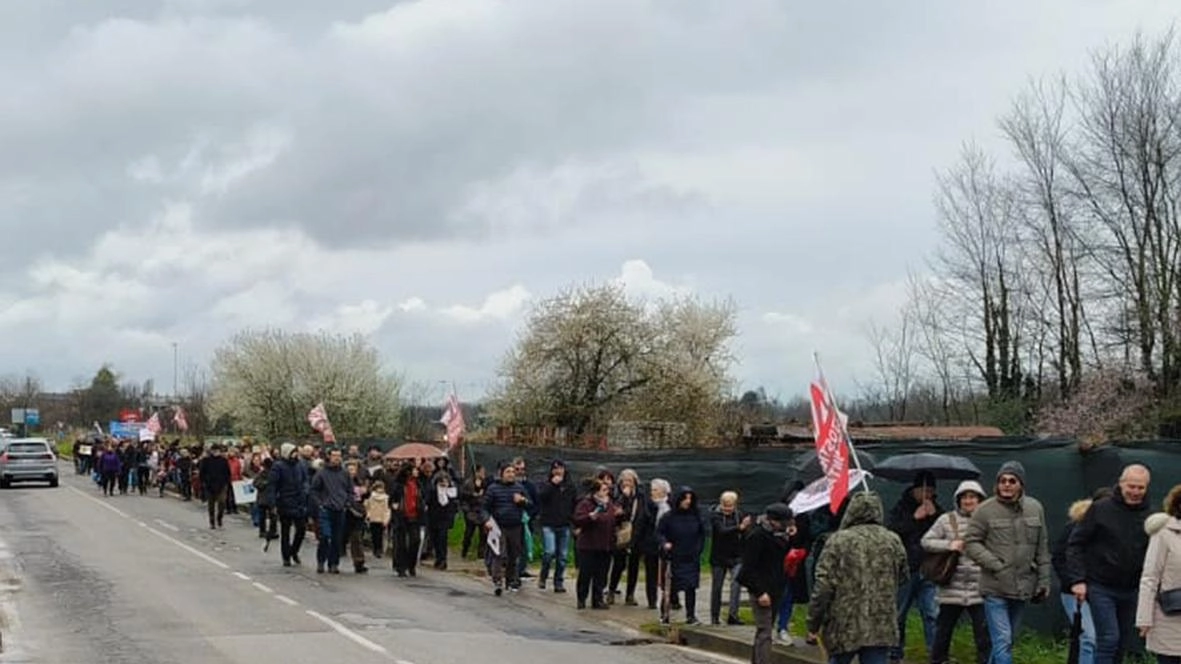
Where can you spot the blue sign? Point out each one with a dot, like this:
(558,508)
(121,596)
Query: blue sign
(32,417)
(125,429)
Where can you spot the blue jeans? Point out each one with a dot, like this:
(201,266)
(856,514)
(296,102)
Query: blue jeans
(921,593)
(1114,613)
(876,655)
(786,604)
(555,543)
(1087,640)
(331,531)
(1004,621)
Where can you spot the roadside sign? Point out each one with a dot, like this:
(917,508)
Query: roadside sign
(18,415)
(32,417)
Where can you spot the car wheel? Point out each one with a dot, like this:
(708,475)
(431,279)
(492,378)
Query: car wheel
(4,484)
(53,483)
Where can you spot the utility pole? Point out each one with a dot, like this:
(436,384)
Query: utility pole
(175,369)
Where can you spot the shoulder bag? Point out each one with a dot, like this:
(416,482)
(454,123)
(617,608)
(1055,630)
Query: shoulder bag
(624,531)
(939,566)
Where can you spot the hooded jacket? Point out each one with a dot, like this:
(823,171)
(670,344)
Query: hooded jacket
(964,588)
(857,579)
(1162,571)
(1077,510)
(685,530)
(1107,547)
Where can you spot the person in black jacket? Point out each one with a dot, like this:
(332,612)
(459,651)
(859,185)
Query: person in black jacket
(728,525)
(762,573)
(557,497)
(913,515)
(442,506)
(1104,559)
(1076,512)
(288,493)
(214,473)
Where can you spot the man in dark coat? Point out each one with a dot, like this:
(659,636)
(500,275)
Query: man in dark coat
(505,506)
(557,497)
(762,574)
(913,515)
(214,473)
(682,533)
(288,493)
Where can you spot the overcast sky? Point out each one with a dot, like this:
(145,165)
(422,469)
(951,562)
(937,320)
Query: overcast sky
(178,170)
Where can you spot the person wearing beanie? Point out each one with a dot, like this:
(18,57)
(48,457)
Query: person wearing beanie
(962,594)
(1104,558)
(912,516)
(1007,537)
(762,574)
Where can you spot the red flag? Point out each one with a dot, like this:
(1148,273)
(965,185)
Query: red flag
(153,424)
(179,419)
(318,418)
(832,446)
(453,420)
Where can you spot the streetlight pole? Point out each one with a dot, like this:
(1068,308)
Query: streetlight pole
(175,369)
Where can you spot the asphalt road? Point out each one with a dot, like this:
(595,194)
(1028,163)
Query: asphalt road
(85,578)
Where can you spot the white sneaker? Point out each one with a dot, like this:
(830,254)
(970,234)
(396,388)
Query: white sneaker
(785,638)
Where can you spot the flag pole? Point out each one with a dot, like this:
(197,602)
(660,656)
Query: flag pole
(844,426)
(463,436)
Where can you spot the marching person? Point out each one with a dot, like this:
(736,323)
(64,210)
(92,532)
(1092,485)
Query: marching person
(596,517)
(682,534)
(1007,538)
(762,573)
(214,473)
(288,489)
(962,594)
(1162,573)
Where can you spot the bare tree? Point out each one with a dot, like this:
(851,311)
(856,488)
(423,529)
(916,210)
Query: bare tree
(894,362)
(1125,170)
(268,381)
(980,262)
(1036,128)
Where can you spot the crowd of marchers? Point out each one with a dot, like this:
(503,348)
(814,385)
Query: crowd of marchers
(859,570)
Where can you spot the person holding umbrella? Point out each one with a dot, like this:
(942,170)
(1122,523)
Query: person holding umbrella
(913,515)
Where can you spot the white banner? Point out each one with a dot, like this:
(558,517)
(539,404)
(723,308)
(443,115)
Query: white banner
(244,492)
(815,495)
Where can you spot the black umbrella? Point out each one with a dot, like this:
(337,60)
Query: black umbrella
(904,467)
(1076,635)
(807,468)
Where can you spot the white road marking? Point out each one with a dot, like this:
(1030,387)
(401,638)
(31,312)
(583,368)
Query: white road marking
(286,600)
(241,576)
(165,524)
(402,661)
(92,499)
(262,587)
(349,634)
(207,558)
(142,524)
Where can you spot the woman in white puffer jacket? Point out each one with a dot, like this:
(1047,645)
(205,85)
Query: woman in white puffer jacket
(1162,572)
(963,593)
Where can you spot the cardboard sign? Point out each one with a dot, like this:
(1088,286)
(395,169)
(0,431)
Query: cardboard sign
(84,450)
(244,492)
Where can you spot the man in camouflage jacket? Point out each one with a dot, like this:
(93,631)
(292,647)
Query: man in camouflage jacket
(854,607)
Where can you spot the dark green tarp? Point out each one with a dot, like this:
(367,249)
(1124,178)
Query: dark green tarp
(1058,473)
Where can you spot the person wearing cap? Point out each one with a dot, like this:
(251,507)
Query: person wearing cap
(963,592)
(288,493)
(913,515)
(1007,538)
(1104,558)
(762,573)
